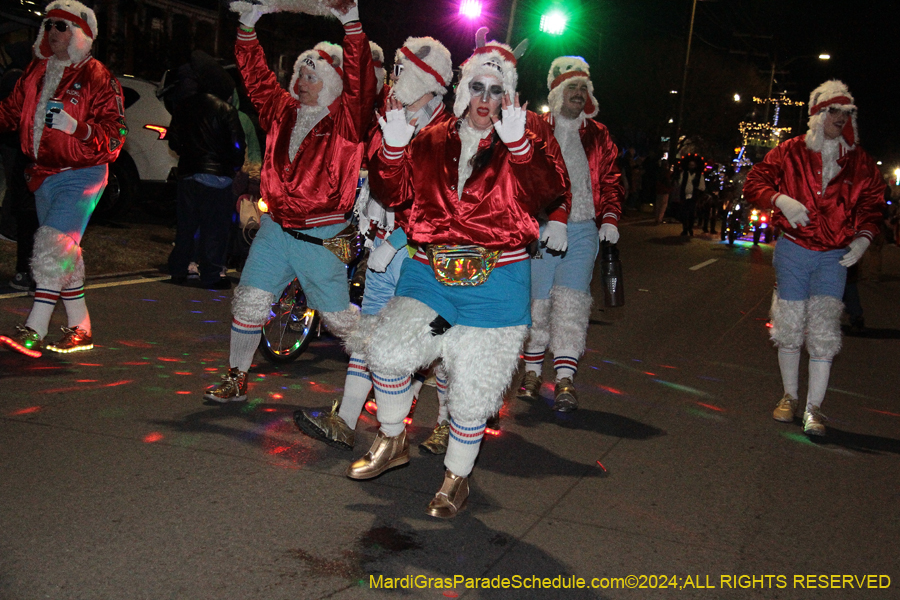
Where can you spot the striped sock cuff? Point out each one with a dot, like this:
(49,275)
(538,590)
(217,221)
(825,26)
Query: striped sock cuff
(45,296)
(392,385)
(358,368)
(441,385)
(466,435)
(75,293)
(565,365)
(534,358)
(238,327)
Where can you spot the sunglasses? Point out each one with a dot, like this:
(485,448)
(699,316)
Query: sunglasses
(61,26)
(493,92)
(398,68)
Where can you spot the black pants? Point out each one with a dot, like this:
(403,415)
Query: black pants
(204,217)
(688,210)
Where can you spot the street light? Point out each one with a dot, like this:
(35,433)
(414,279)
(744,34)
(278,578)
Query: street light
(470,8)
(823,57)
(553,22)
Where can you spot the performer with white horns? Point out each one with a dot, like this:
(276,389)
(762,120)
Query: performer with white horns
(69,112)
(561,277)
(315,134)
(475,183)
(422,71)
(828,196)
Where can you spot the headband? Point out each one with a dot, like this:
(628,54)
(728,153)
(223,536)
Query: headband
(422,65)
(327,58)
(66,15)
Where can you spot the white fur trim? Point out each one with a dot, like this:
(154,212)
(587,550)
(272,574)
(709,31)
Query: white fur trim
(815,135)
(402,341)
(251,305)
(310,7)
(539,334)
(569,316)
(788,322)
(334,83)
(378,56)
(358,340)
(342,323)
(491,64)
(823,339)
(80,44)
(414,82)
(55,258)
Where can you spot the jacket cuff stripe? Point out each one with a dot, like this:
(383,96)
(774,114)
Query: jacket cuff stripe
(521,147)
(353,28)
(246,36)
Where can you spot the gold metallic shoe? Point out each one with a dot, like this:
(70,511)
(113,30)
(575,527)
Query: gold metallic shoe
(25,341)
(328,427)
(531,386)
(786,409)
(566,398)
(437,441)
(232,389)
(451,498)
(385,453)
(814,421)
(75,339)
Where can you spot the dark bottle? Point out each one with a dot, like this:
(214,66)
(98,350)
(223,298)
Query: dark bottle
(611,276)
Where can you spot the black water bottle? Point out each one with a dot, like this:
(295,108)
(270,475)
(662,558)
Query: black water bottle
(611,276)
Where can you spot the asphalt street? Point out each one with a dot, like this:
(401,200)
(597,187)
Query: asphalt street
(117,482)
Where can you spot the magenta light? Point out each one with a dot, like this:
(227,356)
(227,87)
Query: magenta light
(470,8)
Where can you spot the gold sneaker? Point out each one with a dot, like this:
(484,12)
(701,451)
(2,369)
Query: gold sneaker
(437,441)
(451,498)
(786,409)
(75,339)
(25,341)
(385,453)
(232,389)
(566,398)
(531,386)
(814,421)
(328,427)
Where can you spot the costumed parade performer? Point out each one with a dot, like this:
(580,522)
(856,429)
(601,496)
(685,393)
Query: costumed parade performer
(828,197)
(422,71)
(475,182)
(561,277)
(69,112)
(309,177)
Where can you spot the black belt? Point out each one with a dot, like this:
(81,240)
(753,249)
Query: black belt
(298,234)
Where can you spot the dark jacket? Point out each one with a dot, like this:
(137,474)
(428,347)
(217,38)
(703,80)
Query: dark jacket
(206,133)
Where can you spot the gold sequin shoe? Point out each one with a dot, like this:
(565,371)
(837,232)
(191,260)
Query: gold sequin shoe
(75,339)
(232,389)
(451,498)
(25,341)
(566,398)
(531,386)
(328,427)
(814,421)
(437,441)
(385,453)
(786,409)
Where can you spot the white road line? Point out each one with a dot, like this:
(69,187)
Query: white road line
(95,286)
(703,264)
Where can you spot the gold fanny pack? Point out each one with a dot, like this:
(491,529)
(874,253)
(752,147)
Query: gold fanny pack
(461,265)
(347,244)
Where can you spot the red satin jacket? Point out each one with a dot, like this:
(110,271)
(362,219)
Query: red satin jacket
(91,95)
(319,186)
(606,180)
(851,206)
(498,206)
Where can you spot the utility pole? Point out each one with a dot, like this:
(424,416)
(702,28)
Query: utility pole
(512,19)
(673,143)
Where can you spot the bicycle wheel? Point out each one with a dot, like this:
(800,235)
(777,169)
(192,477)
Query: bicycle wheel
(290,327)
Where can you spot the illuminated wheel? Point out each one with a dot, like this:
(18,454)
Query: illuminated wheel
(290,328)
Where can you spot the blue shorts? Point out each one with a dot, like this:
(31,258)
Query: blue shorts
(65,201)
(501,301)
(803,273)
(572,269)
(276,258)
(380,287)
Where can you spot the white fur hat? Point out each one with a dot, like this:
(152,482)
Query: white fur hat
(427,68)
(82,22)
(378,61)
(567,68)
(493,59)
(831,94)
(326,59)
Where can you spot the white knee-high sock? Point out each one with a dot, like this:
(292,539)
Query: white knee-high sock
(76,309)
(357,384)
(789,363)
(393,395)
(462,449)
(534,361)
(440,378)
(566,366)
(819,373)
(244,340)
(418,381)
(44,303)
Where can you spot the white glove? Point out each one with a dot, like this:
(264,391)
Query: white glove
(555,236)
(396,131)
(250,12)
(793,211)
(381,257)
(609,233)
(351,15)
(60,119)
(855,251)
(511,128)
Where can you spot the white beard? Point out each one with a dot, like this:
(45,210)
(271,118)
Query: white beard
(470,137)
(52,77)
(307,117)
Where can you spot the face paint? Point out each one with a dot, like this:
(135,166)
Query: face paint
(487,88)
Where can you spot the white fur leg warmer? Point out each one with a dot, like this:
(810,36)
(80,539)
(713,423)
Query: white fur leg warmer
(569,321)
(788,322)
(251,305)
(342,323)
(56,258)
(358,340)
(539,334)
(823,337)
(402,342)
(480,364)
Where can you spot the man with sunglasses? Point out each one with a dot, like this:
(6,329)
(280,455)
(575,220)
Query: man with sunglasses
(828,196)
(69,113)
